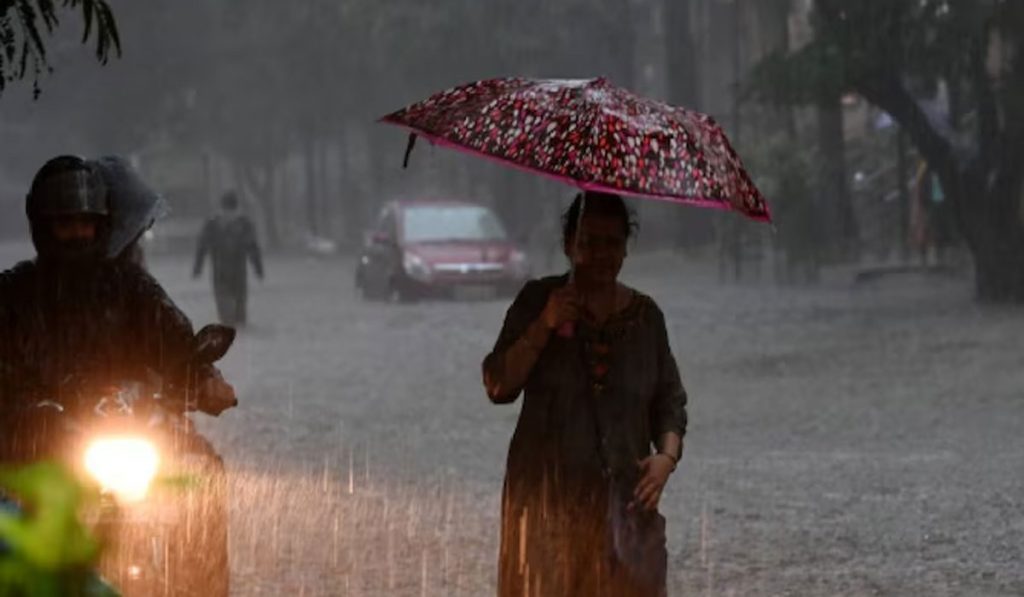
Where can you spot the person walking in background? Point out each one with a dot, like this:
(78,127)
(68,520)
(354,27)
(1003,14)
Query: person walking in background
(230,239)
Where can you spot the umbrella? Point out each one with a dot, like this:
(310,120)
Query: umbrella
(134,206)
(593,135)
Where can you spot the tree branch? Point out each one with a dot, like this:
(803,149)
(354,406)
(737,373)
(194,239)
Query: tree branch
(37,19)
(984,97)
(936,141)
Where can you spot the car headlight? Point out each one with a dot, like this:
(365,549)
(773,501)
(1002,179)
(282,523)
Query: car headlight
(415,266)
(125,466)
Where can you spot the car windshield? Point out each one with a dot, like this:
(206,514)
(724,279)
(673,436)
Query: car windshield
(447,222)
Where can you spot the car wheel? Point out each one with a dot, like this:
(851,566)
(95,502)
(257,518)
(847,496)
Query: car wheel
(400,291)
(370,291)
(366,293)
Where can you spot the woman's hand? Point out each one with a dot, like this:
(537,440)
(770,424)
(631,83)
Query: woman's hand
(654,473)
(563,306)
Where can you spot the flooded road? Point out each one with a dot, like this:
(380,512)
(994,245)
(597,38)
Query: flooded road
(844,440)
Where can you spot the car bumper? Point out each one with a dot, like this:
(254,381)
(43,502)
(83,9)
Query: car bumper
(465,286)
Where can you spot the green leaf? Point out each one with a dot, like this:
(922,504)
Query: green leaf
(47,533)
(87,14)
(35,16)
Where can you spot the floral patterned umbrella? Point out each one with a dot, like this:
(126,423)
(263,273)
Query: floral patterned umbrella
(593,135)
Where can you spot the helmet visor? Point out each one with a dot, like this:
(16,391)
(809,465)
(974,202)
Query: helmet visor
(69,193)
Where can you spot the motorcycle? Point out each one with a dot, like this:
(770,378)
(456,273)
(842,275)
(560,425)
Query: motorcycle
(163,513)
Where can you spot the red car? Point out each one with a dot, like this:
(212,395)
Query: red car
(456,249)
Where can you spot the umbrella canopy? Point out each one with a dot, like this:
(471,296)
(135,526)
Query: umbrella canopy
(591,134)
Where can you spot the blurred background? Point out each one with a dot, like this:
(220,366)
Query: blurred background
(854,373)
(280,101)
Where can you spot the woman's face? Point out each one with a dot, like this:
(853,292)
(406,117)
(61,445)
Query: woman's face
(598,250)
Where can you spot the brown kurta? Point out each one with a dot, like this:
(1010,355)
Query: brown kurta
(592,408)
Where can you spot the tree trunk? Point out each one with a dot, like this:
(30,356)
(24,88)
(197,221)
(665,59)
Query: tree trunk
(992,225)
(683,82)
(326,197)
(999,261)
(622,33)
(312,210)
(902,175)
(835,191)
(737,73)
(693,227)
(270,207)
(348,195)
(261,185)
(780,11)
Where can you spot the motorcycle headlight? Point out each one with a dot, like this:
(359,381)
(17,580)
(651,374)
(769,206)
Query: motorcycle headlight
(125,466)
(415,266)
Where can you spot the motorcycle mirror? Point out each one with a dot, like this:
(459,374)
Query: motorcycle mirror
(213,342)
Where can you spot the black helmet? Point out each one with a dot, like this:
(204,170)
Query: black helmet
(67,186)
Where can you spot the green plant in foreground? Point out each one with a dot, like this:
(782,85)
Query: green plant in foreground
(46,551)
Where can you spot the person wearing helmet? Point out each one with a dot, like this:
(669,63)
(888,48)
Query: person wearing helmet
(79,309)
(68,212)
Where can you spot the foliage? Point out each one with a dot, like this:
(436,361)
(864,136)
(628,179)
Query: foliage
(46,551)
(23,24)
(895,53)
(255,84)
(782,169)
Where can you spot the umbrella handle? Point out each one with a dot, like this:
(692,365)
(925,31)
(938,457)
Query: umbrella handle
(408,150)
(568,329)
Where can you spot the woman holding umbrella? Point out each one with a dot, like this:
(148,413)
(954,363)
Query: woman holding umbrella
(601,426)
(603,416)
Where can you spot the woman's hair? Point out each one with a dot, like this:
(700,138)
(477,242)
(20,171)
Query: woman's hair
(603,204)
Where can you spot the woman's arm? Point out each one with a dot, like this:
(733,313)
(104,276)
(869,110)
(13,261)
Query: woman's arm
(670,444)
(506,371)
(668,410)
(668,425)
(537,311)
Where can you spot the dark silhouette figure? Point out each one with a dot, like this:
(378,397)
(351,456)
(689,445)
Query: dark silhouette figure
(230,239)
(80,312)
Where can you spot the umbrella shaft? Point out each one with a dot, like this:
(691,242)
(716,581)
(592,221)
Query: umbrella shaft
(568,329)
